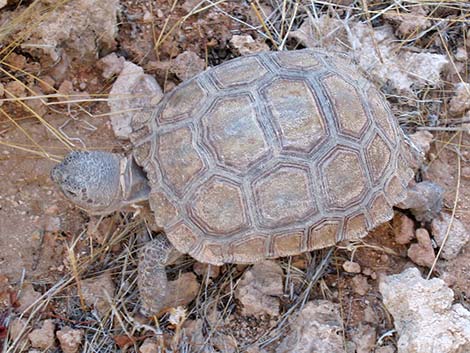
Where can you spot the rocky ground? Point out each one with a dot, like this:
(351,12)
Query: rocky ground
(67,279)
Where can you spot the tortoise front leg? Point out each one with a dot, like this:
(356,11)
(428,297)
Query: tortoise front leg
(152,280)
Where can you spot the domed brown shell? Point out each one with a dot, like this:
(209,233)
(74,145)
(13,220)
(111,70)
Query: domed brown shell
(271,155)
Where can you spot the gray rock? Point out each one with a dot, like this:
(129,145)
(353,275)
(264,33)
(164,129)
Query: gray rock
(111,65)
(186,65)
(98,292)
(317,329)
(403,71)
(410,23)
(70,339)
(132,93)
(80,28)
(460,102)
(424,317)
(245,44)
(424,200)
(28,296)
(43,337)
(183,290)
(260,288)
(458,235)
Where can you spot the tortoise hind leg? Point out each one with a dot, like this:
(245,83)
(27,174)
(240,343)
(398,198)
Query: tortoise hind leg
(152,280)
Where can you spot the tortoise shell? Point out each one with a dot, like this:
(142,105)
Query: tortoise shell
(271,155)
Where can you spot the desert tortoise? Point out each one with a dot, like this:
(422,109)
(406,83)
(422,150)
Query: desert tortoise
(264,156)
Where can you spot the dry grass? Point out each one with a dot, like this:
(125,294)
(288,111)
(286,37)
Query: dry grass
(122,326)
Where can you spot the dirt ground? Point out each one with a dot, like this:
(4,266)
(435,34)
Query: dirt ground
(54,100)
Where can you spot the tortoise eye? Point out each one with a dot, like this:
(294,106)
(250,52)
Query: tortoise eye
(71,193)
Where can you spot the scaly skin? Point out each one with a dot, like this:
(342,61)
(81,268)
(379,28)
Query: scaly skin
(90,179)
(152,281)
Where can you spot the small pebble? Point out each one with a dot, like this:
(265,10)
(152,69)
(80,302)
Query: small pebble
(111,65)
(15,89)
(460,102)
(43,338)
(352,267)
(360,285)
(65,89)
(245,44)
(461,54)
(70,339)
(17,61)
(466,172)
(46,84)
(28,296)
(384,258)
(422,253)
(422,139)
(147,17)
(404,229)
(17,327)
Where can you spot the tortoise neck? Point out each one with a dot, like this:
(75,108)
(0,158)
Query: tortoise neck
(133,182)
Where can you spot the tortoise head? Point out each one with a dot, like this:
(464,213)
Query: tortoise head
(100,182)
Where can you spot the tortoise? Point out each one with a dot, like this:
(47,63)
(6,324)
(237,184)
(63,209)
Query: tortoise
(264,156)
